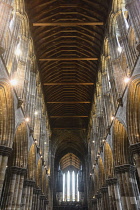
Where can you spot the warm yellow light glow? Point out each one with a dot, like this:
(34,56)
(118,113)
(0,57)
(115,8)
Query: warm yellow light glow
(126,79)
(93,142)
(13,82)
(27,119)
(112,118)
(17,52)
(36,112)
(120,49)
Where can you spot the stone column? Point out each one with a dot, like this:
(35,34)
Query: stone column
(105,198)
(46,202)
(4,154)
(27,195)
(15,188)
(99,196)
(36,199)
(133,7)
(94,204)
(114,194)
(129,188)
(5,12)
(135,153)
(42,202)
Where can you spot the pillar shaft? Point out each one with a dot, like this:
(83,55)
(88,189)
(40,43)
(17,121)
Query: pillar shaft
(5,12)
(126,178)
(114,194)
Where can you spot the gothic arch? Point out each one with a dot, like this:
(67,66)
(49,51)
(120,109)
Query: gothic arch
(96,180)
(101,174)
(108,161)
(20,146)
(39,173)
(7,122)
(44,182)
(32,162)
(120,143)
(133,111)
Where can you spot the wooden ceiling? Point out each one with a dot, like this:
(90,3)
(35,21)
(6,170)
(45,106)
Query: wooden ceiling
(68,37)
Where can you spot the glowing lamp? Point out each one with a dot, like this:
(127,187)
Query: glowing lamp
(17,52)
(126,79)
(27,119)
(13,82)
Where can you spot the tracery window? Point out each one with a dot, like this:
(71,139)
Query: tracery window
(70,186)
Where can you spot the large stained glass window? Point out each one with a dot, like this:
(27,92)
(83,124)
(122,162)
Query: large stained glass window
(70,186)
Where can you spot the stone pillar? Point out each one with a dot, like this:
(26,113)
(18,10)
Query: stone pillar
(133,7)
(94,204)
(36,198)
(105,198)
(4,154)
(99,196)
(5,12)
(135,153)
(129,188)
(42,202)
(114,194)
(46,202)
(15,188)
(27,195)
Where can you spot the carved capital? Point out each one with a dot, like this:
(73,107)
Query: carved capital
(125,168)
(111,181)
(5,151)
(104,190)
(18,170)
(29,183)
(135,149)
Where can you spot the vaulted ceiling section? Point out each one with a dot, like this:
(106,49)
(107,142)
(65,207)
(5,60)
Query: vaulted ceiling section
(68,37)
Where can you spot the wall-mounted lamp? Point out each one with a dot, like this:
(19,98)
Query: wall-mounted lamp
(17,52)
(27,119)
(36,113)
(119,49)
(112,117)
(126,79)
(13,82)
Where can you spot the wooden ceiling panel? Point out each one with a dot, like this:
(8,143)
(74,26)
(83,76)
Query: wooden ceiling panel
(68,37)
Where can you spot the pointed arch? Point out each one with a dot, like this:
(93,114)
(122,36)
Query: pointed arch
(20,146)
(7,116)
(120,144)
(101,174)
(96,180)
(39,173)
(133,113)
(32,162)
(44,182)
(108,161)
